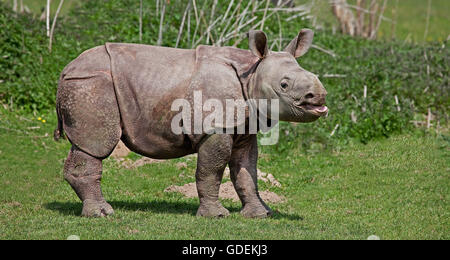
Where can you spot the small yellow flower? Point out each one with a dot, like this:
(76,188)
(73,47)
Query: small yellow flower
(43,121)
(39,118)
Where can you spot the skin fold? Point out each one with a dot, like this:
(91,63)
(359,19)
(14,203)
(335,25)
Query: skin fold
(121,91)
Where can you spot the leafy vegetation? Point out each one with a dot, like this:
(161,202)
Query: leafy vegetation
(411,17)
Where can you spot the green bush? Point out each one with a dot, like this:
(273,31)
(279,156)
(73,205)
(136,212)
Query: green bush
(416,74)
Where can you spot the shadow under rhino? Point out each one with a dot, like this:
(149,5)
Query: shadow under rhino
(155,206)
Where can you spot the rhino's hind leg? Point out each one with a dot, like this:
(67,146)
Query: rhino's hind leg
(213,155)
(243,173)
(84,173)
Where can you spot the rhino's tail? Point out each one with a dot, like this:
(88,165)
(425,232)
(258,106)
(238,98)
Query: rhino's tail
(59,131)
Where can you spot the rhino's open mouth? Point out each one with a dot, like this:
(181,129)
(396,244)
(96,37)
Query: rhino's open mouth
(316,109)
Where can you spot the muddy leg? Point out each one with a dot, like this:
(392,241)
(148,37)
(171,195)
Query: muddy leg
(84,172)
(243,174)
(213,155)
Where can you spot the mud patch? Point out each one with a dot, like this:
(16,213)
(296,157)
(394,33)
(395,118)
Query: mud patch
(226,191)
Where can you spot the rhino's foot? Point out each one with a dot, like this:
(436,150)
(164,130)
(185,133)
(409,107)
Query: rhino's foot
(256,211)
(212,209)
(96,209)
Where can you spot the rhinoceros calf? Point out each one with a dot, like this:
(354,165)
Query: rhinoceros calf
(125,91)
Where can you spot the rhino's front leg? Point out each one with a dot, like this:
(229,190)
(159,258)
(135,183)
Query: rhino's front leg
(213,156)
(84,173)
(243,173)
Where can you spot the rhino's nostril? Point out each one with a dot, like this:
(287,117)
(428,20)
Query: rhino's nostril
(309,96)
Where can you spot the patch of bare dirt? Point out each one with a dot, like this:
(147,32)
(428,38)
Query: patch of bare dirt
(268,177)
(226,191)
(130,164)
(120,151)
(189,190)
(14,204)
(181,165)
(263,176)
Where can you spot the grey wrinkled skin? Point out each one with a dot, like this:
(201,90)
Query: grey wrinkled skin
(125,91)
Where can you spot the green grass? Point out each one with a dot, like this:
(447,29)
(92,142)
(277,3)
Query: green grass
(395,188)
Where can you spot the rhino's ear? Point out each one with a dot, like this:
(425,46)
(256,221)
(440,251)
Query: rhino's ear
(257,41)
(300,44)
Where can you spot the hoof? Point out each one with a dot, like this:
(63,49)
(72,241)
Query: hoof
(96,209)
(214,209)
(256,211)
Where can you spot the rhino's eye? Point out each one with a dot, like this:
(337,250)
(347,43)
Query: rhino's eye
(284,85)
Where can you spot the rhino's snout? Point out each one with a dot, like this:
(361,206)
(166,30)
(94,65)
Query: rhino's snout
(317,98)
(313,101)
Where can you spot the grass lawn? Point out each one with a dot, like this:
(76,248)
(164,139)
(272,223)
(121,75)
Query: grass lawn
(395,188)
